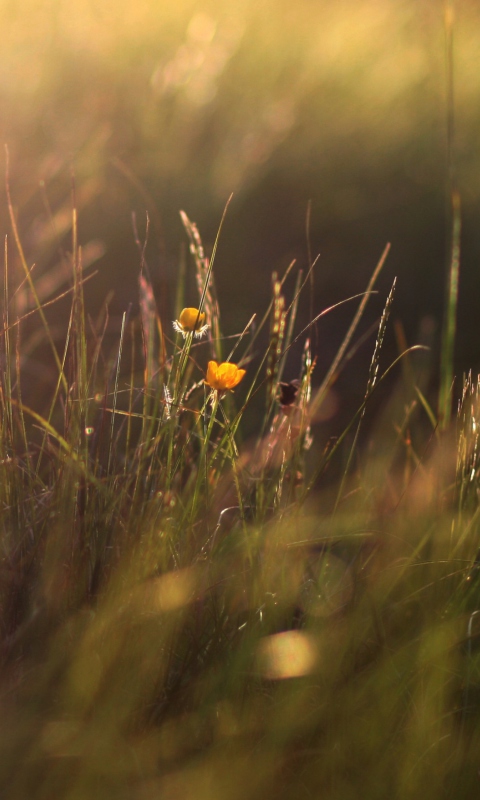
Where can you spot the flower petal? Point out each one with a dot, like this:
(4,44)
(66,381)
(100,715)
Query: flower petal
(191,319)
(223,377)
(238,377)
(212,370)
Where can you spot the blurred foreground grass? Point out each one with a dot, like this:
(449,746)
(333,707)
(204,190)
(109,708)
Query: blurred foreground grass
(186,615)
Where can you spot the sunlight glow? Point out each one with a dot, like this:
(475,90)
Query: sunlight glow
(290,654)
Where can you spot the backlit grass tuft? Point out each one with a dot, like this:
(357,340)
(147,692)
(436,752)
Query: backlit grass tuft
(188,613)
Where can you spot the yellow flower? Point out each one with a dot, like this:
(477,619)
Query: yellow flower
(223,377)
(191,321)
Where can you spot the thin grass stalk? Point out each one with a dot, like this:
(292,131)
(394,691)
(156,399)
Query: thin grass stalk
(130,401)
(81,377)
(291,314)
(321,392)
(18,386)
(292,317)
(66,449)
(177,377)
(240,338)
(53,226)
(150,325)
(453,215)
(205,284)
(372,379)
(149,315)
(311,262)
(250,393)
(77,325)
(80,337)
(22,493)
(232,446)
(28,275)
(162,350)
(204,267)
(277,333)
(289,431)
(323,314)
(115,393)
(267,314)
(428,409)
(92,376)
(305,393)
(450,319)
(7,374)
(182,274)
(256,385)
(178,370)
(58,385)
(359,412)
(204,461)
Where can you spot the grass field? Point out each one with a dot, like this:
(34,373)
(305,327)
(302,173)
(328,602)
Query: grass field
(186,614)
(240,558)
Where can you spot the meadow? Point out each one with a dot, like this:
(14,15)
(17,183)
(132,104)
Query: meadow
(186,613)
(239,480)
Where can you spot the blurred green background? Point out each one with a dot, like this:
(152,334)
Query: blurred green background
(160,106)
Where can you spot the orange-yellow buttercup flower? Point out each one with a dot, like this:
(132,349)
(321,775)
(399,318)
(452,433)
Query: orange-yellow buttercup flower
(191,321)
(223,377)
